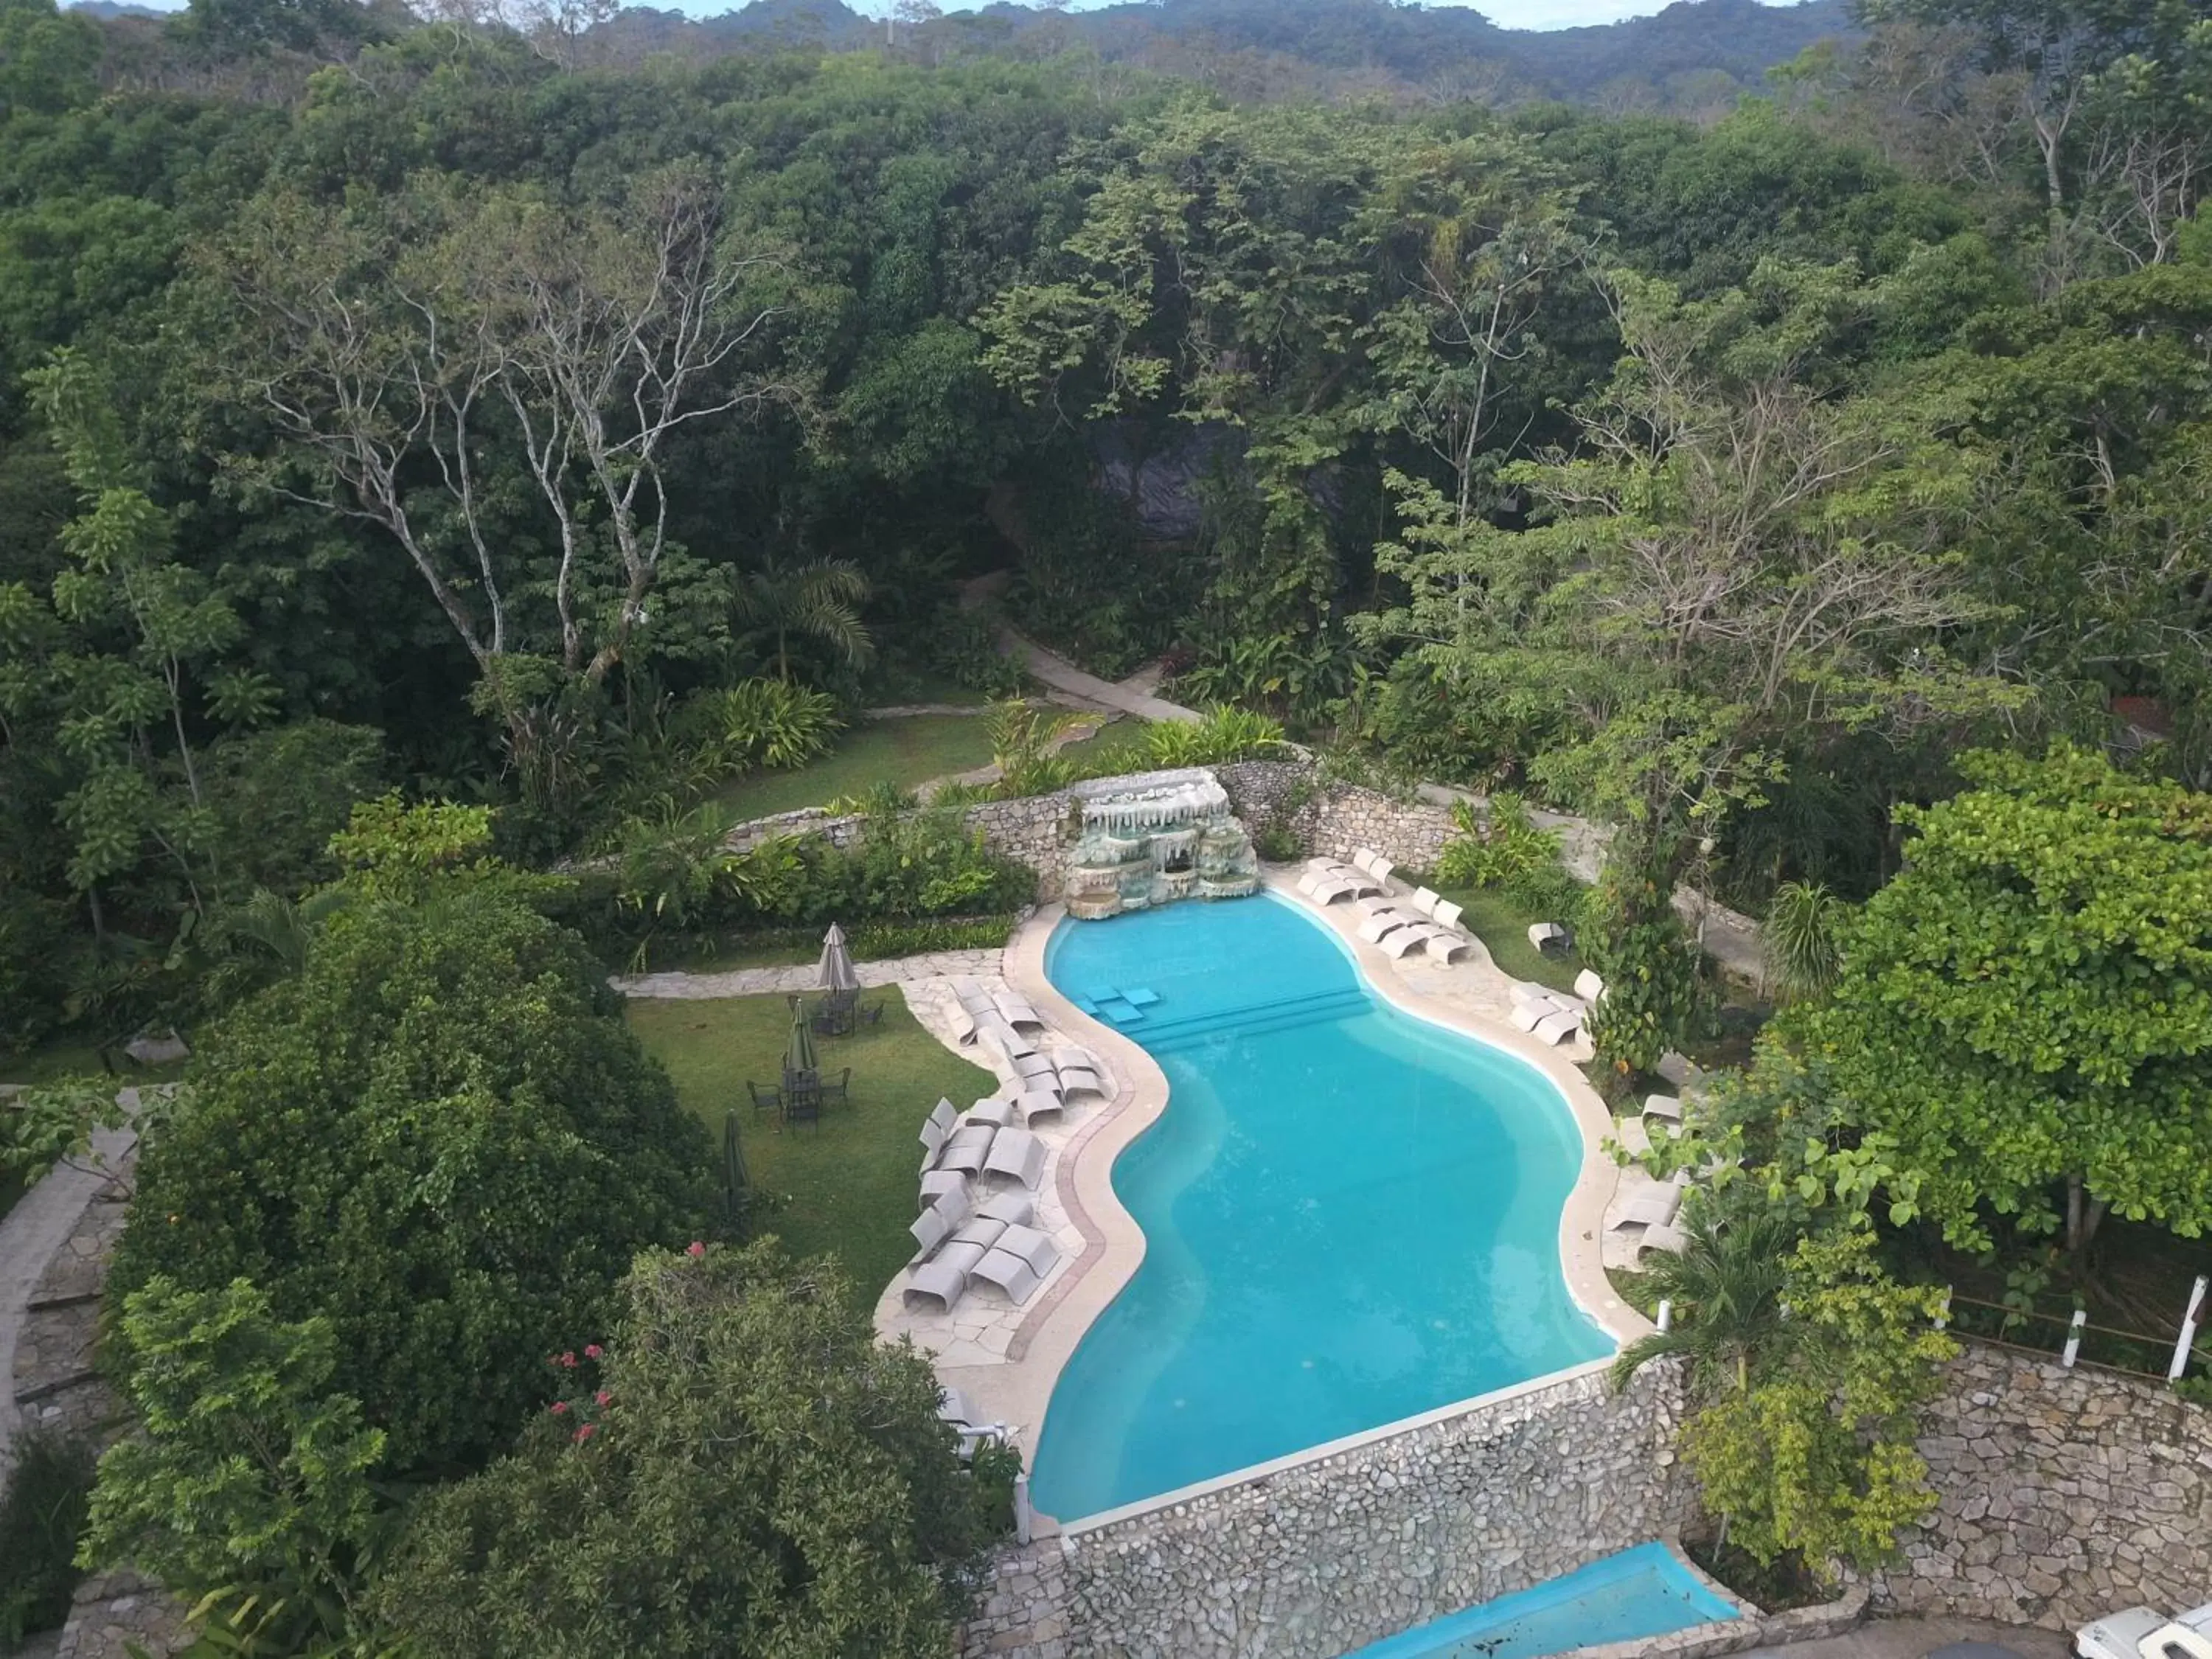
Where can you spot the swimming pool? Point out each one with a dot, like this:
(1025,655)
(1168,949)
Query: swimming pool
(1641,1592)
(1351,1216)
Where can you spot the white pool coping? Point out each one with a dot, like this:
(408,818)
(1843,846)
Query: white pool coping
(1019,1391)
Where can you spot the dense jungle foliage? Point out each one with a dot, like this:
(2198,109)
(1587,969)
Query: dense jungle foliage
(441,454)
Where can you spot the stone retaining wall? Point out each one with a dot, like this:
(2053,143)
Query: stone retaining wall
(2065,1494)
(1310,1561)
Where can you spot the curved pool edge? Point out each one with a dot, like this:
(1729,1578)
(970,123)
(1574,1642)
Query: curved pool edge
(1020,1391)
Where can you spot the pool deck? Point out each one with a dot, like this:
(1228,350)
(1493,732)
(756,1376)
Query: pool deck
(1006,1359)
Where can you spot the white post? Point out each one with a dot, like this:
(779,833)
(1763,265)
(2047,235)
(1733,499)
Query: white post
(1943,1315)
(1666,1313)
(2188,1331)
(2074,1338)
(1022,1513)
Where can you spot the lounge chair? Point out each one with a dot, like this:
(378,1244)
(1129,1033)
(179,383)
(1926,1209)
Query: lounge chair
(954,1409)
(1034,1105)
(1654,1206)
(1381,923)
(1326,889)
(933,1137)
(1081,1080)
(989,1111)
(1385,906)
(1069,1052)
(969,1149)
(942,1185)
(1548,936)
(1444,945)
(1017,1154)
(963,1023)
(1447,915)
(1034,1066)
(1426,900)
(1012,1043)
(1021,1261)
(943,1115)
(1402,942)
(1527,1016)
(1589,986)
(1665,1236)
(1322,861)
(1016,1010)
(1555,1029)
(1015,1209)
(1667,1108)
(944,1277)
(937,1224)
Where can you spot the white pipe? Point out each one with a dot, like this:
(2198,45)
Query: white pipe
(2188,1337)
(2074,1338)
(1666,1313)
(1023,1515)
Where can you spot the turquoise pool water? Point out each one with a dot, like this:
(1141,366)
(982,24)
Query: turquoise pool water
(1351,1216)
(1641,1592)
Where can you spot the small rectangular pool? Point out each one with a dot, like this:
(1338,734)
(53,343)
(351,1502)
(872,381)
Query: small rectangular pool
(1645,1591)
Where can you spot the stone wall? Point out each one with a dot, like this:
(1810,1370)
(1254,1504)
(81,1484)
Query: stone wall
(2065,1494)
(1310,1561)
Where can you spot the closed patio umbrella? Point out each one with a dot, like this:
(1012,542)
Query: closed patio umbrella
(837,965)
(798,1058)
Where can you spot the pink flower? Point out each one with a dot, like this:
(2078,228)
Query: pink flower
(593,1351)
(695,1249)
(601,1397)
(570,1359)
(584,1434)
(558,1407)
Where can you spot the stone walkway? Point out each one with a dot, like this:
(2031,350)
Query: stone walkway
(802,977)
(1061,675)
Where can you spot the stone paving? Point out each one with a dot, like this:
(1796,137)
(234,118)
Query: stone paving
(766,981)
(982,1325)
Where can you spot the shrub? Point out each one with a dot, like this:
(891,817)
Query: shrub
(755,723)
(1505,851)
(745,1469)
(1651,965)
(1224,734)
(40,1517)
(963,645)
(441,1136)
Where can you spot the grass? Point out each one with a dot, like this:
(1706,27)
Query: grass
(1503,924)
(1117,747)
(907,751)
(847,1187)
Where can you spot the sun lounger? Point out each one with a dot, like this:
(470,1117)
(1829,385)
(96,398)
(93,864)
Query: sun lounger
(1556,1029)
(1367,859)
(1383,907)
(941,1186)
(1633,1133)
(937,1224)
(1589,986)
(1447,915)
(1034,1105)
(1426,900)
(1017,1154)
(1008,1042)
(1081,1080)
(1321,861)
(1666,1107)
(1654,1206)
(935,1132)
(969,1149)
(1034,1066)
(955,1410)
(944,1277)
(1015,1209)
(1383,923)
(1016,1010)
(1548,936)
(1524,993)
(973,997)
(990,1110)
(1665,1236)
(1403,941)
(1442,945)
(1019,1263)
(963,1023)
(1326,889)
(1070,1052)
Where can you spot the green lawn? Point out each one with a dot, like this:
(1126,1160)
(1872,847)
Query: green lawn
(907,751)
(1503,924)
(846,1188)
(1117,747)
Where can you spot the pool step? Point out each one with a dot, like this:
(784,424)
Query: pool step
(1253,1019)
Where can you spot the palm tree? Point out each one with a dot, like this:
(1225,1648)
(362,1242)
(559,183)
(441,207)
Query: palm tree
(818,600)
(1726,1285)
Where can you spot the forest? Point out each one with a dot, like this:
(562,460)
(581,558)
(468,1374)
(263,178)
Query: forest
(440,454)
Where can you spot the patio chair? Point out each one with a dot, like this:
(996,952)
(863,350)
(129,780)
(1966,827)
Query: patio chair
(840,1092)
(1018,1263)
(1666,1107)
(803,1106)
(1017,1154)
(942,1185)
(769,1099)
